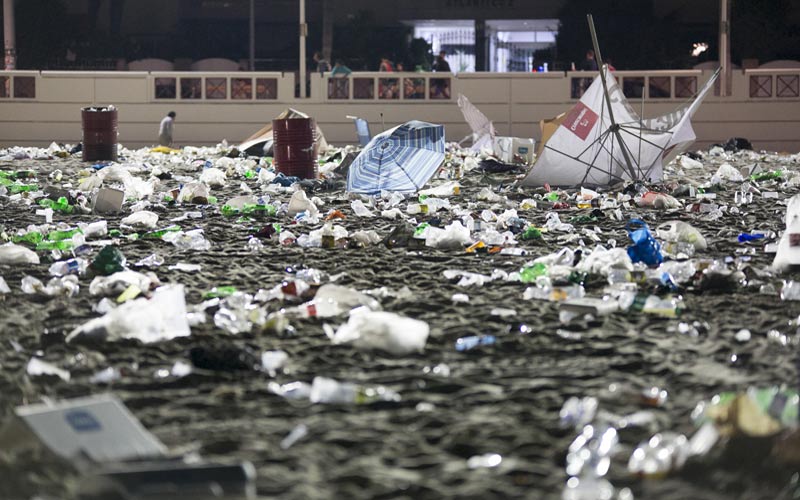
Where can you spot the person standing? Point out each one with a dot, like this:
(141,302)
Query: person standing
(589,64)
(165,129)
(340,70)
(440,65)
(386,65)
(323,65)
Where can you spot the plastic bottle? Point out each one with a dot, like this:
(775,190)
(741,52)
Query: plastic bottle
(328,390)
(471,342)
(416,208)
(71,266)
(744,237)
(668,307)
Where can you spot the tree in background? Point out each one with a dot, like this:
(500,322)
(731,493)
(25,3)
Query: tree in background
(361,42)
(41,32)
(761,29)
(628,33)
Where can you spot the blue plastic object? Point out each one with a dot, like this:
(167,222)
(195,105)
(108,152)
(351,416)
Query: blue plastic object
(645,248)
(467,343)
(750,237)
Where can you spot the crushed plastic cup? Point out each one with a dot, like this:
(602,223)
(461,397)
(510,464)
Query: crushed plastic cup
(360,209)
(659,455)
(193,240)
(589,488)
(577,412)
(300,203)
(213,177)
(591,451)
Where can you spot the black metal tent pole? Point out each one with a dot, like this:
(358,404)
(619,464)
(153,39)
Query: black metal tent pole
(614,127)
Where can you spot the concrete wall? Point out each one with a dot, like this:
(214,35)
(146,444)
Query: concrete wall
(514,101)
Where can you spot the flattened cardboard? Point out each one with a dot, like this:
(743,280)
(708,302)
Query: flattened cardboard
(99,428)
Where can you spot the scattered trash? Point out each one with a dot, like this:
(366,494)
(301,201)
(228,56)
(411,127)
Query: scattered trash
(383,331)
(427,269)
(163,317)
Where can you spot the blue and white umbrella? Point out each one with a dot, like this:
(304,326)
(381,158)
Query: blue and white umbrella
(401,159)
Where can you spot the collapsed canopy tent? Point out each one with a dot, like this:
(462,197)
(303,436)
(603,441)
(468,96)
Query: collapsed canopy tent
(401,159)
(265,134)
(602,140)
(483,132)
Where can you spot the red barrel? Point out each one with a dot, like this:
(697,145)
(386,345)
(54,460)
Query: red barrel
(99,133)
(294,148)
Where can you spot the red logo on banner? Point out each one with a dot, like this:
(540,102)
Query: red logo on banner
(580,120)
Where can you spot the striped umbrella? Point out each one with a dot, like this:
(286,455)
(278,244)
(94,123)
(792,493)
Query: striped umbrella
(401,159)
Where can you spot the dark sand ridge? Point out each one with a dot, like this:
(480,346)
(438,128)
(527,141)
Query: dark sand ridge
(501,399)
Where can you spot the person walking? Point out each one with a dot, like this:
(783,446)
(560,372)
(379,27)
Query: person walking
(165,130)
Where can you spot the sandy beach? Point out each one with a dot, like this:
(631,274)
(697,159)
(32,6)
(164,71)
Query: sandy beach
(500,399)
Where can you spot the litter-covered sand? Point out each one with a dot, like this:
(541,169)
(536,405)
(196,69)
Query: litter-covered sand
(426,409)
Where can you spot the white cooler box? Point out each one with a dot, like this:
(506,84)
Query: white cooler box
(514,150)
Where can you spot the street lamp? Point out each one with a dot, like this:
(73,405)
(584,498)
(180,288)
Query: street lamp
(9,38)
(725,46)
(252,35)
(303,33)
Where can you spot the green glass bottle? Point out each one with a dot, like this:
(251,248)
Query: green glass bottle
(765,176)
(110,260)
(32,237)
(63,235)
(63,245)
(153,235)
(219,291)
(16,187)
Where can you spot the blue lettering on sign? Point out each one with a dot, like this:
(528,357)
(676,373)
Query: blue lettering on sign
(82,421)
(522,150)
